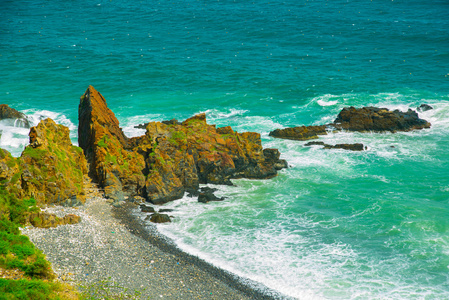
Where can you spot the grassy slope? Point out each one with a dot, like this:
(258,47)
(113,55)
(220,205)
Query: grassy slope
(25,271)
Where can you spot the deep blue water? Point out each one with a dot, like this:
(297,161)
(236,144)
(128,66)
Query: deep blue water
(336,224)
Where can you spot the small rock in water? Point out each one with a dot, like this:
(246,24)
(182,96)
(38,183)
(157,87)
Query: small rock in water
(207,194)
(147,209)
(314,143)
(159,218)
(424,107)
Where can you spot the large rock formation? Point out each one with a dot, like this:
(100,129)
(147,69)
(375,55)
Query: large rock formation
(171,158)
(115,168)
(16,118)
(358,119)
(49,170)
(378,120)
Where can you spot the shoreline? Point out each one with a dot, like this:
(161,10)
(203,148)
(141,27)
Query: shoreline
(248,287)
(110,244)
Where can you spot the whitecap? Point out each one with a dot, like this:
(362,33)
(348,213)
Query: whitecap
(328,103)
(128,124)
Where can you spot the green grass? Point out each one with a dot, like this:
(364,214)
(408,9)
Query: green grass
(26,289)
(34,153)
(17,252)
(103,142)
(108,290)
(178,138)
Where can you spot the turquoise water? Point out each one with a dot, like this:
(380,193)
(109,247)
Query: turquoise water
(336,224)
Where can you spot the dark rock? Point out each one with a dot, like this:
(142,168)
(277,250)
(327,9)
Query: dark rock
(352,147)
(424,107)
(300,133)
(17,118)
(159,218)
(165,210)
(172,122)
(315,143)
(378,120)
(146,209)
(207,194)
(272,156)
(141,126)
(358,119)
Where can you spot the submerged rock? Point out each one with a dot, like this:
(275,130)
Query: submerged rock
(352,147)
(17,118)
(315,143)
(171,158)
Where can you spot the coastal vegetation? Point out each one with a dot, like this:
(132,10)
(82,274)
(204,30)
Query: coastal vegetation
(26,274)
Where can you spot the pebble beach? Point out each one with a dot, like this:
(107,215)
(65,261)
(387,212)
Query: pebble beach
(110,245)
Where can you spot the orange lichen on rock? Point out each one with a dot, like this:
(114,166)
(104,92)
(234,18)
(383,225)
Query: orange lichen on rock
(50,169)
(171,158)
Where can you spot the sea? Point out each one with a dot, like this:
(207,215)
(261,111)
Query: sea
(336,224)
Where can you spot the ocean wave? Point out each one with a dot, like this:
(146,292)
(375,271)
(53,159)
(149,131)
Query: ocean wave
(214,114)
(128,124)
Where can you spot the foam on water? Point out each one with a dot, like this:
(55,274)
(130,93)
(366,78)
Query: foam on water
(336,224)
(13,139)
(128,124)
(289,232)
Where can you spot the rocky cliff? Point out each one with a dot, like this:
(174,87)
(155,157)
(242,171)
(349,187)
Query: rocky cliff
(171,158)
(49,170)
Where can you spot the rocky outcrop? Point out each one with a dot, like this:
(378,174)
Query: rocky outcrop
(16,118)
(49,170)
(358,119)
(378,120)
(47,220)
(116,169)
(352,147)
(300,133)
(171,158)
(53,168)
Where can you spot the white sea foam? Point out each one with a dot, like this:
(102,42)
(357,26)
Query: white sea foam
(327,100)
(214,114)
(128,124)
